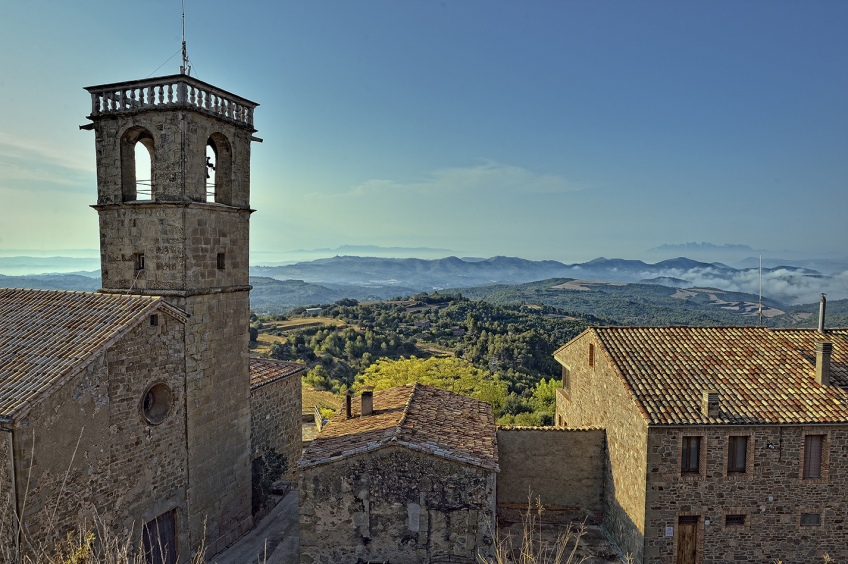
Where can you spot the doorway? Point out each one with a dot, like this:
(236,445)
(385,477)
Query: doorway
(159,539)
(687,539)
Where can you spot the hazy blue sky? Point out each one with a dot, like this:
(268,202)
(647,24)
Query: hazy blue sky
(542,129)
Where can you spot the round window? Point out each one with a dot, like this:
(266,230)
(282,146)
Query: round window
(156,403)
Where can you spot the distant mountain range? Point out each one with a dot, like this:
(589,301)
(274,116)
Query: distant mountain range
(785,283)
(375,278)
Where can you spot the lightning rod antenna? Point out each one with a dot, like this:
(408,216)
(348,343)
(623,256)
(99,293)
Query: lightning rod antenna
(761,291)
(185,68)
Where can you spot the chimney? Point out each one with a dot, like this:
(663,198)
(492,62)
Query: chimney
(823,350)
(367,401)
(709,403)
(348,413)
(822,305)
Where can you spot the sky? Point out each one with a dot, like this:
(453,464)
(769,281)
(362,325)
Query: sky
(544,129)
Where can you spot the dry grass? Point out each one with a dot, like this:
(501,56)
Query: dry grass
(531,548)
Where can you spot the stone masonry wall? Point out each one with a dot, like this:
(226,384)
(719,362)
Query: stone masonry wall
(275,410)
(180,244)
(595,396)
(395,505)
(218,401)
(771,495)
(124,470)
(561,467)
(7,506)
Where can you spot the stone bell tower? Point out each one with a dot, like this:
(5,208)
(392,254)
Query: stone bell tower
(180,230)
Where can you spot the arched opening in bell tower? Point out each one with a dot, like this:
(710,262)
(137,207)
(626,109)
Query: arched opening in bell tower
(219,170)
(211,168)
(143,172)
(137,165)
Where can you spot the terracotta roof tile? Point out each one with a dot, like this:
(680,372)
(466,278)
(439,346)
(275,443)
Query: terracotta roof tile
(265,371)
(762,375)
(418,417)
(46,335)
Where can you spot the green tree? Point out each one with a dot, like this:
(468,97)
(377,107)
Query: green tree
(451,374)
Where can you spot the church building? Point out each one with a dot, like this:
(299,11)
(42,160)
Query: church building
(132,405)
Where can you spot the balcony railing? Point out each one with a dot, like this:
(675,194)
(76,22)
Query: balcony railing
(175,91)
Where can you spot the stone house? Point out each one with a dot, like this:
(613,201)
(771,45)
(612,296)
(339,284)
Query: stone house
(723,443)
(406,476)
(139,403)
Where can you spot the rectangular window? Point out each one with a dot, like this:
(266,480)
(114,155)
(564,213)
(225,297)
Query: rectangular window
(220,261)
(813,447)
(690,455)
(734,520)
(591,354)
(138,259)
(566,379)
(737,451)
(154,320)
(810,519)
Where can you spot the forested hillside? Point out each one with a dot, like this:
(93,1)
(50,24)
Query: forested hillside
(511,343)
(634,304)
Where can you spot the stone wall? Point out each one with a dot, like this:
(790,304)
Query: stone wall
(395,505)
(562,467)
(275,437)
(7,506)
(595,396)
(218,410)
(771,495)
(94,453)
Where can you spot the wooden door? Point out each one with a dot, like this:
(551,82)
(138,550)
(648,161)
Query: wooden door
(687,539)
(159,538)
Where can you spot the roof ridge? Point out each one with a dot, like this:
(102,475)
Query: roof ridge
(405,413)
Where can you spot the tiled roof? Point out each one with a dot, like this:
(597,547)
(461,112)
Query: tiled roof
(759,373)
(804,341)
(416,416)
(47,335)
(265,371)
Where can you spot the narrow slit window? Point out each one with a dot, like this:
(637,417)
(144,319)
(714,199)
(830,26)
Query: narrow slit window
(154,320)
(221,261)
(138,258)
(591,354)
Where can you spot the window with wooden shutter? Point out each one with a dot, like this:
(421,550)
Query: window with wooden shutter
(737,452)
(813,446)
(690,455)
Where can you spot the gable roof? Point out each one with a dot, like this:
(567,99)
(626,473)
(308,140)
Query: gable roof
(48,335)
(763,376)
(416,416)
(264,371)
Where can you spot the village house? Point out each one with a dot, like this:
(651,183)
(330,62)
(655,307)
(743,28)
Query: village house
(724,444)
(406,475)
(139,404)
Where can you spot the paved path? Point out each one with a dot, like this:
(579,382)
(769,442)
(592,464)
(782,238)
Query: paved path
(274,540)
